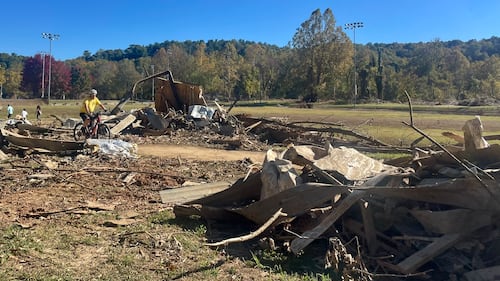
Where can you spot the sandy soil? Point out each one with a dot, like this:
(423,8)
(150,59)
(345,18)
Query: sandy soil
(198,153)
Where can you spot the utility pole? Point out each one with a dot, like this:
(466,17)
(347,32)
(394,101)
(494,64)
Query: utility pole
(42,54)
(153,84)
(169,53)
(353,26)
(51,38)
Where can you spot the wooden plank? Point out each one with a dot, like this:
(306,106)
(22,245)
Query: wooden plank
(452,221)
(189,193)
(480,157)
(298,244)
(46,144)
(124,123)
(413,262)
(421,257)
(294,201)
(369,226)
(244,190)
(33,128)
(484,274)
(464,193)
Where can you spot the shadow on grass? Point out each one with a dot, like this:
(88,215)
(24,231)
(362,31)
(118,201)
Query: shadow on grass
(200,269)
(309,263)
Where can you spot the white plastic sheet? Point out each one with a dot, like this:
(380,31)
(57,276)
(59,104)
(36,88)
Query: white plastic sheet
(115,147)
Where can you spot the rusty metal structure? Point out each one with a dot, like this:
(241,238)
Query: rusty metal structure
(169,94)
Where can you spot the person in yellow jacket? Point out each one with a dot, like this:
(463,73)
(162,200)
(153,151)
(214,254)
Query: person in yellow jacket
(88,107)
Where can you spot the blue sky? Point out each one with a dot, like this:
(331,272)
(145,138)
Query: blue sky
(108,24)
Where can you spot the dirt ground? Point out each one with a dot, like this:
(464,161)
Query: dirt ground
(27,182)
(100,217)
(198,153)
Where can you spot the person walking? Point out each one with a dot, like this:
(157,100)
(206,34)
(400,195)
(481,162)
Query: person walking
(38,114)
(10,111)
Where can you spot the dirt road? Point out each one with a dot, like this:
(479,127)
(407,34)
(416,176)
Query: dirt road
(198,153)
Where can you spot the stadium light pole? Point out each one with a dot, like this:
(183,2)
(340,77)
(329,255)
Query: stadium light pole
(353,26)
(51,38)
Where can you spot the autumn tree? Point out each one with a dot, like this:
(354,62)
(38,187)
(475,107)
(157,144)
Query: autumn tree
(160,60)
(289,84)
(2,80)
(228,60)
(81,81)
(323,52)
(457,66)
(248,84)
(11,88)
(126,76)
(61,80)
(181,62)
(264,59)
(104,73)
(32,74)
(485,78)
(31,82)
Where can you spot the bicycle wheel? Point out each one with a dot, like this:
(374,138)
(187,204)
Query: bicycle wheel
(103,131)
(78,132)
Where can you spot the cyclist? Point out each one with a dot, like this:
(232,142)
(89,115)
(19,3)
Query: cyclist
(88,107)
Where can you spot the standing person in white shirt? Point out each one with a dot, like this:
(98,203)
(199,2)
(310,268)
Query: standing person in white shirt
(24,114)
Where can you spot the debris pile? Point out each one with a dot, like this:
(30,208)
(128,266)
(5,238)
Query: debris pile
(430,215)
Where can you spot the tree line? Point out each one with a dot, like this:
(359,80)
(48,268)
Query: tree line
(317,64)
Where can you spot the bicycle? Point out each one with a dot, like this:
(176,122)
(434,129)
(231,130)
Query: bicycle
(95,130)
